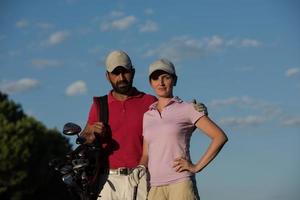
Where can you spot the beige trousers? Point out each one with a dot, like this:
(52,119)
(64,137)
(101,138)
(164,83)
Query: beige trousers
(120,187)
(184,190)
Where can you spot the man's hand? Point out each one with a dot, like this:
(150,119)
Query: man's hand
(99,128)
(200,107)
(90,131)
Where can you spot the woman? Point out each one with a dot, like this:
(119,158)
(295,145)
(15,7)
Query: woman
(167,129)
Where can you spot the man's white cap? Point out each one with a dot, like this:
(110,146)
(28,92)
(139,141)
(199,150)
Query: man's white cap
(162,64)
(116,59)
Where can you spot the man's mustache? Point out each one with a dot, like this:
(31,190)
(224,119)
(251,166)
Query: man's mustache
(123,82)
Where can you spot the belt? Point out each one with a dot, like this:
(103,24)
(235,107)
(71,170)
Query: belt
(121,171)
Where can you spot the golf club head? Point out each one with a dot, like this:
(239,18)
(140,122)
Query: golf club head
(68,179)
(71,129)
(80,163)
(54,162)
(80,140)
(66,169)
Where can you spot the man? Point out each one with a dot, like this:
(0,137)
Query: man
(126,106)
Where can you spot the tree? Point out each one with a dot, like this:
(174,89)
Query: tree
(26,147)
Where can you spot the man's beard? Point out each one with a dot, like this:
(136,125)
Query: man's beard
(122,87)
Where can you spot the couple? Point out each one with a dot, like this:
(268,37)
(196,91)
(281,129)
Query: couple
(150,134)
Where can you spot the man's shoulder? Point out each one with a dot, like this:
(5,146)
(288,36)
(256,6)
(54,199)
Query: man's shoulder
(150,99)
(96,99)
(149,96)
(146,96)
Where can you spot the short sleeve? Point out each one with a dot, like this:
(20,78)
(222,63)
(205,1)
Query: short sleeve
(93,115)
(194,115)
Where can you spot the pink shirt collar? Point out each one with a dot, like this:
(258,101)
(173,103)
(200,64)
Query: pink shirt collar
(174,99)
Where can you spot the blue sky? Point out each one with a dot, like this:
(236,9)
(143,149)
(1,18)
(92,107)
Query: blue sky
(241,58)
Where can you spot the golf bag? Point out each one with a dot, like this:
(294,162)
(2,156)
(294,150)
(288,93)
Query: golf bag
(80,169)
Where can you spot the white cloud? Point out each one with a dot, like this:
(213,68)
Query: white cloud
(263,111)
(225,102)
(185,47)
(149,11)
(95,50)
(45,25)
(247,42)
(123,23)
(43,63)
(215,42)
(118,24)
(243,121)
(105,26)
(246,102)
(14,53)
(292,72)
(243,101)
(219,42)
(18,86)
(23,23)
(149,26)
(178,48)
(76,88)
(291,121)
(57,37)
(116,13)
(250,43)
(232,42)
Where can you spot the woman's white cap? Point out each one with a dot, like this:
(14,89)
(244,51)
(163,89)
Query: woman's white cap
(162,64)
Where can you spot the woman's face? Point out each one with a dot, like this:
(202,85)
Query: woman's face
(162,84)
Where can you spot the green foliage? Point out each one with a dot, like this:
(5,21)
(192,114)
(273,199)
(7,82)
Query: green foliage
(26,147)
(12,112)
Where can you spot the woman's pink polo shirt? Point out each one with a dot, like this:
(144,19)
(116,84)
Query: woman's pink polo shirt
(168,135)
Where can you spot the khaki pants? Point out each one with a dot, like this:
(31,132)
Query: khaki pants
(119,187)
(184,190)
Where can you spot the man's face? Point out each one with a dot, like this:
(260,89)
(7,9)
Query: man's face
(121,79)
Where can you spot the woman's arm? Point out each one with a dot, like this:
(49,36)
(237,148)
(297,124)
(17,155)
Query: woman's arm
(218,139)
(144,158)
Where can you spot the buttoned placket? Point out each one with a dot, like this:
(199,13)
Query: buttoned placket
(123,107)
(163,111)
(159,113)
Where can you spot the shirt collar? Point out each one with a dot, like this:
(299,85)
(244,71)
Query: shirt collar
(135,94)
(173,100)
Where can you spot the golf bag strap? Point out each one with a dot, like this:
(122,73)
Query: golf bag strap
(102,107)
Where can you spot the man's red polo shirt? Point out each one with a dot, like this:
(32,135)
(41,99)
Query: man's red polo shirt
(126,123)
